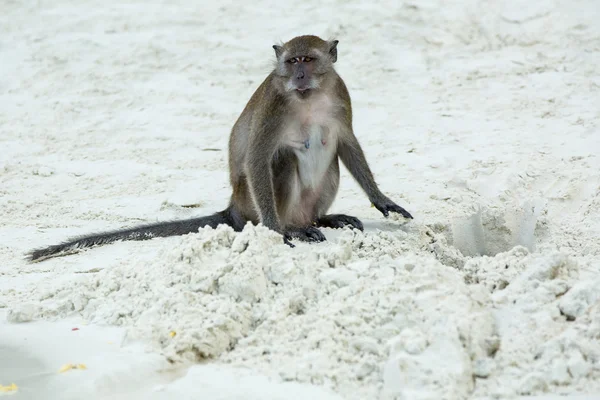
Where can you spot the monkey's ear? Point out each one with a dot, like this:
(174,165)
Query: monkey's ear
(278,50)
(333,50)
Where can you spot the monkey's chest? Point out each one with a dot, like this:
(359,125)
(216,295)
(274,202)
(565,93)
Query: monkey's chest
(315,147)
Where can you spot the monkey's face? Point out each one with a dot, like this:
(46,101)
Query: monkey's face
(301,75)
(303,64)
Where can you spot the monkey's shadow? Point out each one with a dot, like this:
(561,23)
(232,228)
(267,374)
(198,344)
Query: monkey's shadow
(371,226)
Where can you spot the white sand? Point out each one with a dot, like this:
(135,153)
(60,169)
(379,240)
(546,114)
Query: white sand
(480,118)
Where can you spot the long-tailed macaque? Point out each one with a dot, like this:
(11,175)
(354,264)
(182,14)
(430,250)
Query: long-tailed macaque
(284,153)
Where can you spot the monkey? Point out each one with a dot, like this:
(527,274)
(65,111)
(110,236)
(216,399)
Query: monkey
(284,153)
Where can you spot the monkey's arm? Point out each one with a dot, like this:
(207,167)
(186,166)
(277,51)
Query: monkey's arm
(353,157)
(261,149)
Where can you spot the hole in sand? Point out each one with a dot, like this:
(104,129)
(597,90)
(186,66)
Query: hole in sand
(487,232)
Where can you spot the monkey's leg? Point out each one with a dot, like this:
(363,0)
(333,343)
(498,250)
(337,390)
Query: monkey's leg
(305,234)
(338,221)
(288,196)
(330,187)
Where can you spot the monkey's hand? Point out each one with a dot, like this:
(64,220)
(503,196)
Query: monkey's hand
(386,205)
(306,234)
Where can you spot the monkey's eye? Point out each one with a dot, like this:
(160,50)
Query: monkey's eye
(308,59)
(292,61)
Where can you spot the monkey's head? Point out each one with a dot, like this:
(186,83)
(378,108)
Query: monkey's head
(303,63)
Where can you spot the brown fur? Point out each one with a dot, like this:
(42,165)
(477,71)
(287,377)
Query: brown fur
(261,158)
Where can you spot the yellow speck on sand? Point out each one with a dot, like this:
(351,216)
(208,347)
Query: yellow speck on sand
(172,333)
(10,388)
(68,367)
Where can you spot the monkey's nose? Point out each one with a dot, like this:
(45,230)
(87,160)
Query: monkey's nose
(300,75)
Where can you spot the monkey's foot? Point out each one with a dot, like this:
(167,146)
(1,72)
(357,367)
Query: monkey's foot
(388,205)
(307,234)
(339,221)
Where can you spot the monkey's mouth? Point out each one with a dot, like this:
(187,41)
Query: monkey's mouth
(303,92)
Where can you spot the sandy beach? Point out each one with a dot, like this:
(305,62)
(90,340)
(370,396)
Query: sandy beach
(481,118)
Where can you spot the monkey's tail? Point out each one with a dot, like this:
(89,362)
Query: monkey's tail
(143,232)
